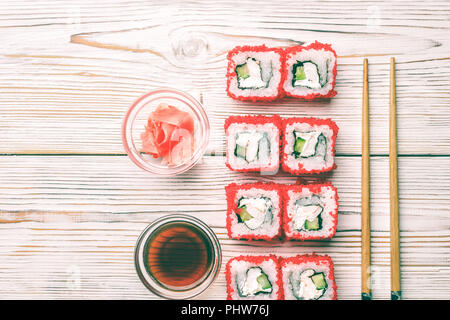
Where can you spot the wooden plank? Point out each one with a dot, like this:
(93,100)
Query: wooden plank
(69,223)
(76,92)
(106,184)
(61,261)
(76,225)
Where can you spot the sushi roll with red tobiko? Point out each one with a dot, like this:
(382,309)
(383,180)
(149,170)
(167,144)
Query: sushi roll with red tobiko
(308,145)
(259,73)
(255,73)
(308,277)
(310,211)
(254,278)
(254,211)
(253,143)
(310,71)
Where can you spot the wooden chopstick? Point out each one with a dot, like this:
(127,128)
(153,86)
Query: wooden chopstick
(393,182)
(366,293)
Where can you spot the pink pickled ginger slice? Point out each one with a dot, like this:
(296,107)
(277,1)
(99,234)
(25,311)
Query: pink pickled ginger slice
(174,116)
(182,146)
(169,134)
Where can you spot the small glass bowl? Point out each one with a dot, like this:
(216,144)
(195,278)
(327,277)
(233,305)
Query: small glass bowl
(189,291)
(136,120)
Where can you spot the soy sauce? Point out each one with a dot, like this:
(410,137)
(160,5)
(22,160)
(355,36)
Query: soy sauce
(178,255)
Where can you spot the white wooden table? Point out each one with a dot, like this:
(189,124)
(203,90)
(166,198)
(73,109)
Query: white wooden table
(72,204)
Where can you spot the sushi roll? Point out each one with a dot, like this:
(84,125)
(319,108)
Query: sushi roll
(308,277)
(254,211)
(254,278)
(253,143)
(310,71)
(308,145)
(255,73)
(310,211)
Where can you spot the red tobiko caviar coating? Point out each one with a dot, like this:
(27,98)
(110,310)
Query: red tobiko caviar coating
(257,119)
(231,191)
(314,189)
(324,260)
(231,73)
(311,121)
(256,260)
(314,95)
(249,119)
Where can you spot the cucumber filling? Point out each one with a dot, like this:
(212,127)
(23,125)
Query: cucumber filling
(253,282)
(307,218)
(308,285)
(249,75)
(254,212)
(299,145)
(306,215)
(313,225)
(243,214)
(307,74)
(309,144)
(319,281)
(252,146)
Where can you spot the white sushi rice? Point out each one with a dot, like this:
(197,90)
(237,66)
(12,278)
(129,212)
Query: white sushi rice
(311,163)
(291,267)
(268,229)
(270,66)
(329,202)
(240,267)
(320,58)
(273,134)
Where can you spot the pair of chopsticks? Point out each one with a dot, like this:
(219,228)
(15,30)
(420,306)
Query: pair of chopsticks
(366,292)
